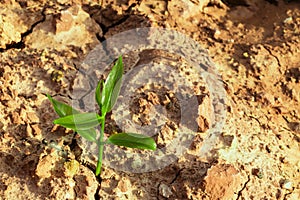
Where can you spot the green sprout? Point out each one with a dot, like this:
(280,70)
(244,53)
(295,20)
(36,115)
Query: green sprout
(85,124)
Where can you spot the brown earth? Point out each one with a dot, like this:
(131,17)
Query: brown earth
(255,46)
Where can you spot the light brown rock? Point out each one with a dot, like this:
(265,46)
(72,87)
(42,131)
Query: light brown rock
(36,129)
(45,165)
(222,182)
(31,116)
(13,23)
(71,27)
(15,118)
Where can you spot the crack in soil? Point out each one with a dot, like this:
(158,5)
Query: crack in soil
(285,196)
(244,186)
(157,191)
(176,176)
(105,29)
(172,181)
(97,195)
(252,117)
(277,60)
(21,44)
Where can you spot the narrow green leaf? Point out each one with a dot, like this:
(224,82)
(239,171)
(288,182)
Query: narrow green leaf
(132,140)
(98,92)
(89,134)
(114,95)
(82,121)
(112,86)
(62,109)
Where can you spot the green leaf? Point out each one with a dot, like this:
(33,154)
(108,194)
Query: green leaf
(98,92)
(112,87)
(115,93)
(62,109)
(82,121)
(132,140)
(89,134)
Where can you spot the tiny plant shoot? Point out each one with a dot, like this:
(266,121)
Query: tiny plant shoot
(85,124)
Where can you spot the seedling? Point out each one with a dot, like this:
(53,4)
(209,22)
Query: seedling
(85,123)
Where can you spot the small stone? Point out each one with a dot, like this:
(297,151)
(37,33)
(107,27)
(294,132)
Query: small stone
(231,61)
(62,1)
(288,20)
(217,34)
(165,190)
(166,101)
(15,118)
(258,173)
(86,184)
(235,64)
(71,167)
(203,124)
(57,76)
(171,95)
(11,24)
(45,165)
(36,129)
(27,152)
(124,185)
(287,184)
(72,27)
(268,98)
(23,114)
(245,54)
(64,22)
(294,126)
(222,181)
(32,117)
(135,118)
(28,130)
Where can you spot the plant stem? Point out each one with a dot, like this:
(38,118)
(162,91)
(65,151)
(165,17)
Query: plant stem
(100,147)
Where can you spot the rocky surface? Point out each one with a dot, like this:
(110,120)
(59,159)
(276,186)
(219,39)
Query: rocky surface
(255,47)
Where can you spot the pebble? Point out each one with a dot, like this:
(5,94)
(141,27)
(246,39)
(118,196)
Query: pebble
(64,22)
(288,20)
(165,190)
(36,129)
(15,118)
(294,126)
(287,184)
(28,131)
(32,117)
(71,167)
(124,185)
(245,54)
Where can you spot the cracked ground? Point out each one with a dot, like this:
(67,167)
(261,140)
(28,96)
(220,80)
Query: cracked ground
(255,47)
